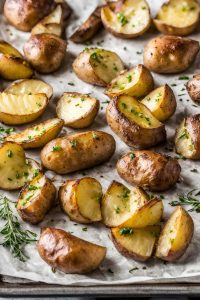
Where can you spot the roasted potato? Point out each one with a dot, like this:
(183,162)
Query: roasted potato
(126,19)
(134,123)
(80,199)
(150,170)
(170,54)
(29,87)
(77,110)
(45,52)
(78,151)
(193,88)
(124,208)
(35,199)
(137,82)
(175,236)
(161,102)
(15,169)
(178,17)
(89,28)
(187,139)
(21,109)
(97,66)
(37,135)
(23,14)
(12,64)
(68,253)
(138,244)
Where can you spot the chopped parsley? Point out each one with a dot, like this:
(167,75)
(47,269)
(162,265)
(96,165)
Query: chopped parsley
(71,83)
(95,136)
(194,170)
(183,78)
(122,19)
(84,228)
(184,134)
(56,148)
(73,143)
(110,271)
(132,155)
(126,231)
(129,78)
(134,269)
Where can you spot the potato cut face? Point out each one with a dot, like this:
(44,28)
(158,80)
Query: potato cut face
(183,141)
(106,64)
(29,87)
(73,107)
(15,169)
(176,235)
(179,13)
(154,99)
(130,18)
(6,48)
(119,203)
(136,112)
(136,243)
(13,67)
(88,196)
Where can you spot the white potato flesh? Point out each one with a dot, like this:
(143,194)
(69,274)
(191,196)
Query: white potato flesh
(54,17)
(153,100)
(6,48)
(184,144)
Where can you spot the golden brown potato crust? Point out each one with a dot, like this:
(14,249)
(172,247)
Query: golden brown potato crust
(150,170)
(68,253)
(193,88)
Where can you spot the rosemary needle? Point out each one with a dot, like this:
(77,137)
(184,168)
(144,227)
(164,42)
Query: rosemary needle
(14,237)
(189,199)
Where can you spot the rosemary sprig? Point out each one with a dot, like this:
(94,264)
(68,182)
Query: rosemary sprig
(14,237)
(189,199)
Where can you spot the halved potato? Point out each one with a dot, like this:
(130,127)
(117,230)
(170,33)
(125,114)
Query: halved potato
(29,87)
(138,244)
(89,28)
(80,199)
(175,236)
(137,82)
(37,135)
(119,203)
(187,139)
(12,64)
(21,109)
(134,123)
(97,66)
(178,17)
(36,199)
(161,102)
(77,110)
(15,169)
(126,19)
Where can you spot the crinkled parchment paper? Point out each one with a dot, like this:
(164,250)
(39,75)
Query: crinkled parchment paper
(130,51)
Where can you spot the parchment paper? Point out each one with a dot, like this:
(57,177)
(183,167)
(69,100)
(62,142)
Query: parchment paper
(115,268)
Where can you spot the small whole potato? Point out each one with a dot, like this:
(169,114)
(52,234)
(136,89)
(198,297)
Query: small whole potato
(45,52)
(24,14)
(193,88)
(170,54)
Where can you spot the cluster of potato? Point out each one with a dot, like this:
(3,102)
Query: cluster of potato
(136,113)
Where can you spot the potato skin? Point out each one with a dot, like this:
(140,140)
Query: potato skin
(132,134)
(36,210)
(45,52)
(172,30)
(23,14)
(193,88)
(78,151)
(149,170)
(170,54)
(68,253)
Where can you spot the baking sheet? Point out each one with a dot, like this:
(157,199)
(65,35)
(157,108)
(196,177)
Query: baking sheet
(116,268)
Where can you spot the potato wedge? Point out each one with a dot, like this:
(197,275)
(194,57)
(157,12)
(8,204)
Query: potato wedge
(80,199)
(134,123)
(77,110)
(137,82)
(187,139)
(177,17)
(126,19)
(149,170)
(21,109)
(161,102)
(138,244)
(97,66)
(35,199)
(37,135)
(15,169)
(170,54)
(12,64)
(175,236)
(89,28)
(68,253)
(78,151)
(193,88)
(29,87)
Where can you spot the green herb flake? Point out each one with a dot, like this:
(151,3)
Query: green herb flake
(194,171)
(84,229)
(95,136)
(126,231)
(73,143)
(134,269)
(9,153)
(122,19)
(183,78)
(132,155)
(71,83)
(129,78)
(184,134)
(56,148)
(110,271)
